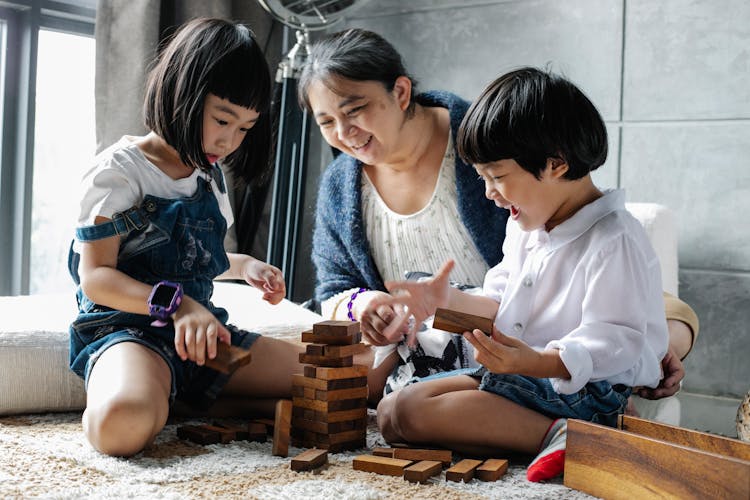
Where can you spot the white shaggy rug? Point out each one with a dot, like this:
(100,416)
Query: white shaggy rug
(47,456)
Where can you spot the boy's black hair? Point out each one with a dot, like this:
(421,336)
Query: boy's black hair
(218,57)
(352,54)
(529,115)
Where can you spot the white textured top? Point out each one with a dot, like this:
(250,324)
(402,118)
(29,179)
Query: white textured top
(591,288)
(424,240)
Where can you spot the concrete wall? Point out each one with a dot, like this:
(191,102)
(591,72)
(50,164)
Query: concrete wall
(672,80)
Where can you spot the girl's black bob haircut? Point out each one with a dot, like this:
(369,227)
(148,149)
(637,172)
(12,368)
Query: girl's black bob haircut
(218,57)
(353,54)
(529,115)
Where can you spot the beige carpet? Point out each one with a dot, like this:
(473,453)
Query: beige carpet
(47,456)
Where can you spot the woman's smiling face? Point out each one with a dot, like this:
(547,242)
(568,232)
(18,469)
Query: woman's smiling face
(362,119)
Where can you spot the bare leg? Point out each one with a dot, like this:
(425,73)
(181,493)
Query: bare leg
(452,413)
(127,401)
(376,377)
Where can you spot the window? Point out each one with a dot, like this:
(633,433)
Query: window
(47,79)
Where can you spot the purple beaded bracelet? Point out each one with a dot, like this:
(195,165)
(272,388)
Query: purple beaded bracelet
(351,303)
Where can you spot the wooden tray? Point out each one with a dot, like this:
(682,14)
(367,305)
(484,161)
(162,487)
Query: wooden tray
(644,459)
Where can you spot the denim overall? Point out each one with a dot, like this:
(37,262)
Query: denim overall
(179,240)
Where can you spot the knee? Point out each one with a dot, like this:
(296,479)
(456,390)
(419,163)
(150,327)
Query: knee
(122,426)
(403,414)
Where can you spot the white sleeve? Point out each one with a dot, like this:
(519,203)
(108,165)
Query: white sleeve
(616,310)
(105,192)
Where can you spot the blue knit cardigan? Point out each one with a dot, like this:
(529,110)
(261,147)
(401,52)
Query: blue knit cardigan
(341,252)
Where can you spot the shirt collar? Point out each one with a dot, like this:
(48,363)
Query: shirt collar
(611,201)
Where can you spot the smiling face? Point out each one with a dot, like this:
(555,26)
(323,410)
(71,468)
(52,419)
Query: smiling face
(224,126)
(362,119)
(532,202)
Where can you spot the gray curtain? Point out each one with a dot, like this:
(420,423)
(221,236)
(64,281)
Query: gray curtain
(127,36)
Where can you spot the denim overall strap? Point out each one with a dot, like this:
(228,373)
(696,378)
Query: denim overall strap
(218,177)
(121,224)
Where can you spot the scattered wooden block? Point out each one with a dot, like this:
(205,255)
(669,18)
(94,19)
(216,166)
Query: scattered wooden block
(617,463)
(281,427)
(332,327)
(324,373)
(228,358)
(421,471)
(380,465)
(227,435)
(492,469)
(458,322)
(198,434)
(443,456)
(383,452)
(328,385)
(240,433)
(309,460)
(331,361)
(462,471)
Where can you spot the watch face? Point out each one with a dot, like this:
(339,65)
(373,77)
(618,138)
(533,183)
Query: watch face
(163,295)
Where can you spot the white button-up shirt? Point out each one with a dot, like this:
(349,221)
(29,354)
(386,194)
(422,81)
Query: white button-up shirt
(591,288)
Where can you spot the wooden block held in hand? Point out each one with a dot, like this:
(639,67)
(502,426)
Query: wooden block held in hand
(458,322)
(380,465)
(228,358)
(462,471)
(417,454)
(309,460)
(421,471)
(281,427)
(198,434)
(492,469)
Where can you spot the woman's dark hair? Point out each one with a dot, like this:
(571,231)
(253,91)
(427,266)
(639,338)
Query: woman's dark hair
(353,54)
(529,115)
(218,57)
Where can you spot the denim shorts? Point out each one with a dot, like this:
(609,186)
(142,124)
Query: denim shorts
(598,402)
(195,385)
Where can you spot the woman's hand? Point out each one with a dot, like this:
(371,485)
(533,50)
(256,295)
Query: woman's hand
(266,278)
(674,372)
(375,318)
(196,332)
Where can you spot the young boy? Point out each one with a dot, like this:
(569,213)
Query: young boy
(577,299)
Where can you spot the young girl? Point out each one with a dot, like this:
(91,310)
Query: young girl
(153,218)
(576,299)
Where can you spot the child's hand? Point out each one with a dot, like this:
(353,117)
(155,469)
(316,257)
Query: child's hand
(419,300)
(266,278)
(503,354)
(375,318)
(196,332)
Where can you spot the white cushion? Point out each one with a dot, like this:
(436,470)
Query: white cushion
(34,373)
(661,227)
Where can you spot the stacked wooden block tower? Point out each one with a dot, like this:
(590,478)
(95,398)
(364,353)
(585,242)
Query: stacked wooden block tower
(329,401)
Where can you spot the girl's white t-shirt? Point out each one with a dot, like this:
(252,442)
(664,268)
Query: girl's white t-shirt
(122,176)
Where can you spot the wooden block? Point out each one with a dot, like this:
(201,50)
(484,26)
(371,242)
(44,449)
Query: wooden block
(198,434)
(309,460)
(240,433)
(317,338)
(227,435)
(328,385)
(339,328)
(265,421)
(315,349)
(458,322)
(325,427)
(416,454)
(462,471)
(380,465)
(228,358)
(281,427)
(421,471)
(257,431)
(336,362)
(330,417)
(614,463)
(336,438)
(329,406)
(303,392)
(337,395)
(325,373)
(383,452)
(345,350)
(492,469)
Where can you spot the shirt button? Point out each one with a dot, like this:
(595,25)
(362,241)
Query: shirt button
(517,327)
(527,281)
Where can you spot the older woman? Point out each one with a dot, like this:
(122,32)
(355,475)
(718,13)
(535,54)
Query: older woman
(398,199)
